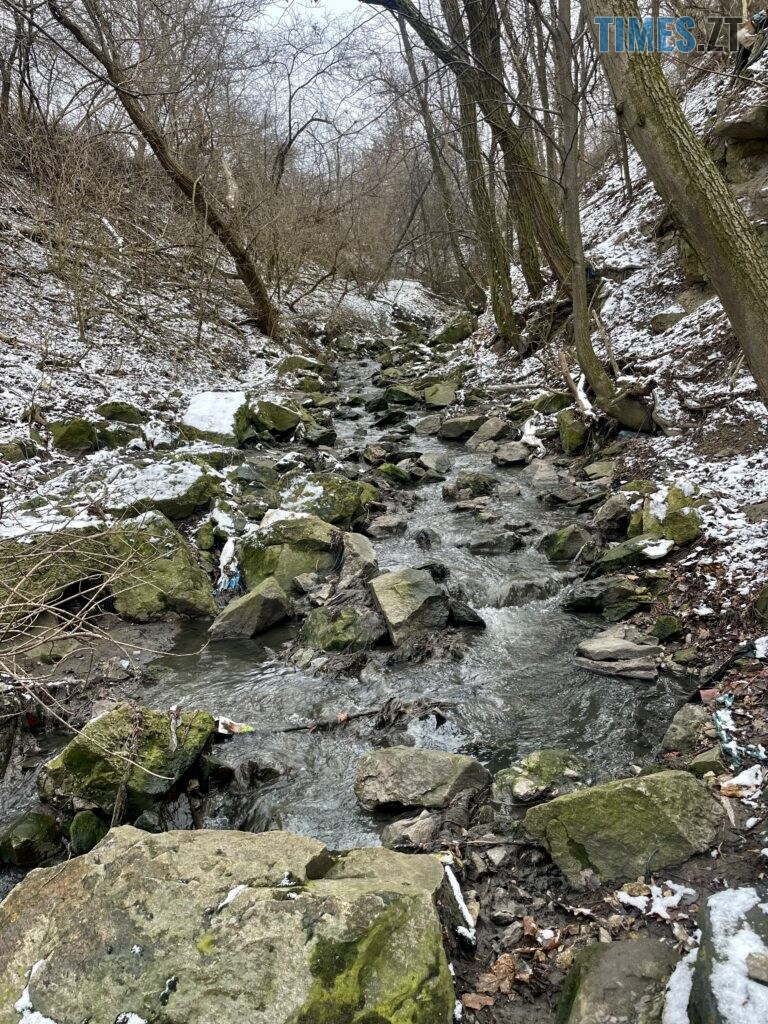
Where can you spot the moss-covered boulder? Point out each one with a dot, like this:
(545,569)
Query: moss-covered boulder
(552,401)
(573,431)
(121,412)
(143,751)
(30,839)
(668,627)
(275,418)
(393,473)
(617,981)
(289,547)
(349,628)
(87,829)
(633,552)
(330,496)
(440,395)
(565,544)
(686,731)
(17,450)
(624,829)
(268,929)
(75,435)
(411,603)
(157,572)
(297,363)
(414,777)
(457,329)
(665,510)
(253,613)
(476,483)
(144,566)
(223,417)
(539,774)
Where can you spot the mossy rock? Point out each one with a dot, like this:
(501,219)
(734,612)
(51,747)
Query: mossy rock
(457,329)
(30,839)
(573,431)
(144,566)
(553,401)
(290,548)
(625,829)
(86,830)
(274,418)
(121,412)
(564,545)
(120,435)
(668,627)
(392,473)
(761,603)
(261,608)
(92,768)
(354,939)
(176,488)
(476,483)
(666,511)
(221,417)
(343,629)
(440,395)
(17,450)
(538,774)
(401,393)
(633,552)
(332,497)
(296,363)
(75,435)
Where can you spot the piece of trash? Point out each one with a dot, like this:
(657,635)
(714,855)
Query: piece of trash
(747,786)
(226,727)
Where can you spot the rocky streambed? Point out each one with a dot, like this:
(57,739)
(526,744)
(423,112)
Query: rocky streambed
(421,599)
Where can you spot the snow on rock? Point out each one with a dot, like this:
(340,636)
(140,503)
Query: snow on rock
(217,416)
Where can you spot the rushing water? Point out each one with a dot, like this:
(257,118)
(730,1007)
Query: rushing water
(517,688)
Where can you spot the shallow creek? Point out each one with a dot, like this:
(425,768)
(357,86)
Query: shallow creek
(515,690)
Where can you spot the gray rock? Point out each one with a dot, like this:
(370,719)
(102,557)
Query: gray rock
(413,777)
(686,730)
(387,526)
(410,601)
(493,429)
(456,427)
(494,542)
(515,453)
(436,462)
(223,926)
(428,426)
(30,839)
(253,613)
(617,981)
(613,645)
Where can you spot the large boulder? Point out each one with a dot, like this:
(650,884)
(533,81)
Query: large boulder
(440,395)
(75,435)
(624,829)
(414,777)
(275,418)
(411,602)
(253,613)
(633,552)
(457,329)
(121,412)
(219,416)
(617,981)
(456,427)
(144,565)
(130,748)
(159,572)
(730,979)
(565,544)
(615,596)
(665,510)
(573,431)
(493,429)
(177,489)
(289,547)
(330,496)
(209,926)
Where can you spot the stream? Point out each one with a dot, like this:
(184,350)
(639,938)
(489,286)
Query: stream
(516,689)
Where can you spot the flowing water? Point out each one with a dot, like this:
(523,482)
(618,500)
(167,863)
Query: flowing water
(516,690)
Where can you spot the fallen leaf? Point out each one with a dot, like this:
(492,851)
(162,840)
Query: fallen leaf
(476,1001)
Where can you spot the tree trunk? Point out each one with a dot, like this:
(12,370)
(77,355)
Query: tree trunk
(204,202)
(693,188)
(628,411)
